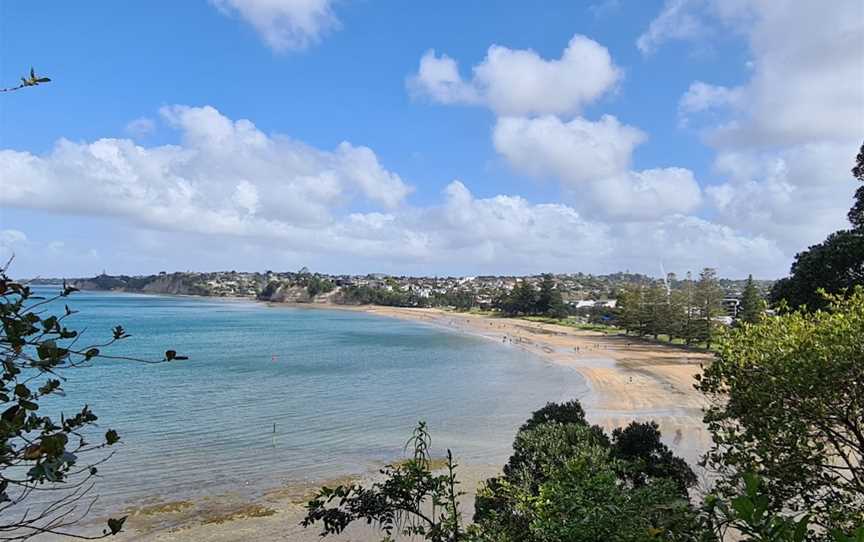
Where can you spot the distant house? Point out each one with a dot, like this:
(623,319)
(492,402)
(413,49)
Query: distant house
(731,305)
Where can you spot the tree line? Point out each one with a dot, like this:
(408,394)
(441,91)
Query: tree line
(525,300)
(687,312)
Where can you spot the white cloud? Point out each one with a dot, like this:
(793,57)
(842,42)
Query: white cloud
(689,243)
(226,177)
(439,79)
(593,160)
(577,151)
(246,196)
(646,195)
(806,70)
(227,189)
(702,97)
(519,81)
(140,127)
(284,24)
(795,195)
(785,139)
(675,21)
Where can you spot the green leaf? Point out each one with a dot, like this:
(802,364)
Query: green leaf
(111,437)
(22,391)
(115,525)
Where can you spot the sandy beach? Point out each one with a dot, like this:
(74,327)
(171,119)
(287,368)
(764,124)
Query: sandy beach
(628,379)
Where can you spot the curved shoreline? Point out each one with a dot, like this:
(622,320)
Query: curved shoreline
(626,380)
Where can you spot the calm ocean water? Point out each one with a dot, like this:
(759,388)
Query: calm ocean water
(344,390)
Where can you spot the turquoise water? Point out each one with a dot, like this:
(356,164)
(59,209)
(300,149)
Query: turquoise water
(343,388)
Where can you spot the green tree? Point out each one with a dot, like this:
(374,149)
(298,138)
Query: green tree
(549,300)
(521,300)
(679,316)
(688,327)
(518,506)
(752,306)
(655,310)
(646,458)
(748,516)
(707,299)
(856,214)
(787,404)
(56,459)
(585,501)
(835,265)
(630,309)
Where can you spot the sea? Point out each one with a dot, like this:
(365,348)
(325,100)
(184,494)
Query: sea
(273,396)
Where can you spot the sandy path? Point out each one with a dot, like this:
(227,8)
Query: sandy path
(628,380)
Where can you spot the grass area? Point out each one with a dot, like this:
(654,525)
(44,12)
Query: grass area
(575,324)
(613,330)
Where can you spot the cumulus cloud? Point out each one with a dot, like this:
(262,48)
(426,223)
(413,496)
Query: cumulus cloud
(795,195)
(225,177)
(806,70)
(593,160)
(438,78)
(576,151)
(227,188)
(646,195)
(284,24)
(531,96)
(785,138)
(689,243)
(521,82)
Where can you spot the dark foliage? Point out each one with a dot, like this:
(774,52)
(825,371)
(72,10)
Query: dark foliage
(638,446)
(835,265)
(856,214)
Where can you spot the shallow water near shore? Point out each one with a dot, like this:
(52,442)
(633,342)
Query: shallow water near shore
(344,390)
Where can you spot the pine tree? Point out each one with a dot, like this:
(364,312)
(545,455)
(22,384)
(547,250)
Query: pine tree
(549,300)
(752,305)
(655,310)
(628,309)
(688,332)
(708,297)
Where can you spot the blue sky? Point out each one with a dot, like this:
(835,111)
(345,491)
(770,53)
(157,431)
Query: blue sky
(535,192)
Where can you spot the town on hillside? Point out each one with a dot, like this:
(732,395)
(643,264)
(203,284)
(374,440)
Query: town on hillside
(579,292)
